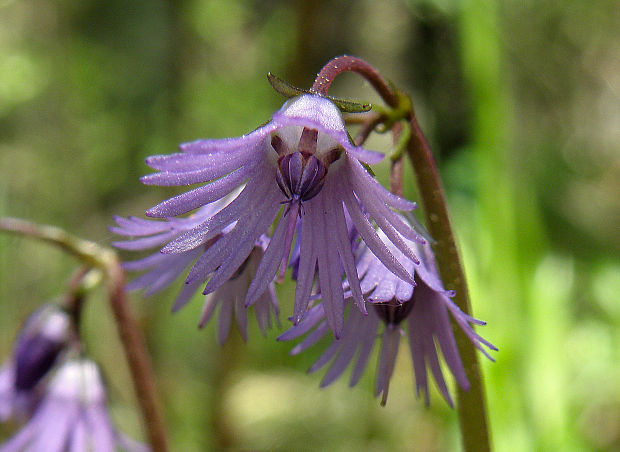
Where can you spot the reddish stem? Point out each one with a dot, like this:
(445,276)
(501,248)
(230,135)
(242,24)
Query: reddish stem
(346,63)
(74,298)
(139,362)
(368,125)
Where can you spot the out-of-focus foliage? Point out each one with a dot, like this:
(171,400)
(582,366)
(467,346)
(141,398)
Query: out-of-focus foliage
(521,102)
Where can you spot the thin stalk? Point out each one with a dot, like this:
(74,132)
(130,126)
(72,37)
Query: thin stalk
(396,169)
(347,63)
(106,259)
(471,405)
(76,294)
(137,357)
(367,126)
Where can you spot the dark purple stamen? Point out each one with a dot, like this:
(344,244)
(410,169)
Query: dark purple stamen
(300,176)
(308,140)
(35,356)
(279,146)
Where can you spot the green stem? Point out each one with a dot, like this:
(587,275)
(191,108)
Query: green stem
(93,255)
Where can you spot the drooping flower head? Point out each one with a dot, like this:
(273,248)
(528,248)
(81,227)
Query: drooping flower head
(302,159)
(421,308)
(41,339)
(72,416)
(163,269)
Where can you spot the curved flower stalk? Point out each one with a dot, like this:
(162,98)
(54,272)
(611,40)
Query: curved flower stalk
(302,158)
(72,416)
(42,338)
(422,309)
(163,269)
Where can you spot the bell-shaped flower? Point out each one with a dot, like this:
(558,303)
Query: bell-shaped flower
(40,341)
(72,416)
(302,159)
(422,309)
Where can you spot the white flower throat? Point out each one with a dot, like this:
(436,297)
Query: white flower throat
(304,156)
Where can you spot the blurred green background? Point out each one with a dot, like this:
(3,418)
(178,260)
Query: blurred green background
(521,103)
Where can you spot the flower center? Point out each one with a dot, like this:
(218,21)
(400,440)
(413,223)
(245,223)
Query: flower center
(300,175)
(393,312)
(301,172)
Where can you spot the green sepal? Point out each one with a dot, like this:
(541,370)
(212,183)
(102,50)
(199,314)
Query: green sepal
(369,169)
(344,105)
(402,143)
(350,106)
(284,88)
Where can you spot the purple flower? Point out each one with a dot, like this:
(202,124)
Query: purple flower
(302,159)
(7,391)
(162,269)
(41,339)
(422,307)
(72,416)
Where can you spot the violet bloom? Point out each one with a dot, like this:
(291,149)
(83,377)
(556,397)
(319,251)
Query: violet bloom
(40,341)
(7,391)
(422,307)
(72,416)
(304,159)
(162,269)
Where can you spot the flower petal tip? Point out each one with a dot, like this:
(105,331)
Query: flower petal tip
(148,179)
(152,213)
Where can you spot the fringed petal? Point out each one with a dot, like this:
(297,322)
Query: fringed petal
(367,336)
(338,233)
(251,196)
(329,268)
(387,361)
(307,266)
(348,346)
(200,196)
(245,143)
(370,237)
(138,227)
(269,263)
(146,242)
(358,172)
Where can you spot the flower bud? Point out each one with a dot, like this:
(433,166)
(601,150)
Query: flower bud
(72,415)
(42,338)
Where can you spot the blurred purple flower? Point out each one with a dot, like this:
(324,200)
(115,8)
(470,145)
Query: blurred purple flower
(7,391)
(162,269)
(423,307)
(72,416)
(40,340)
(302,158)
